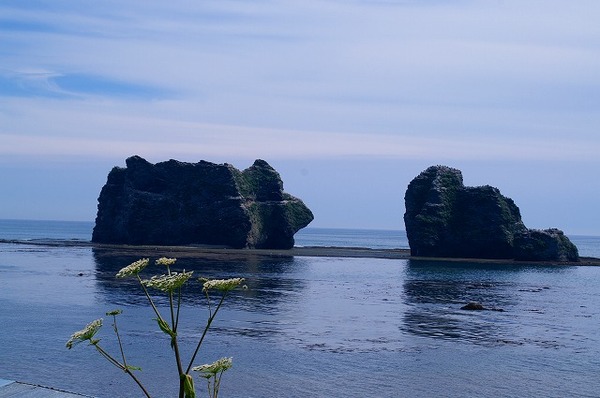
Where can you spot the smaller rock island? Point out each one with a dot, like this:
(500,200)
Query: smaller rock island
(444,218)
(179,203)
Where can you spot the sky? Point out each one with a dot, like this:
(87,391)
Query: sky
(347,100)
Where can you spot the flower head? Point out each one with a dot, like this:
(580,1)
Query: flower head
(212,369)
(86,333)
(114,312)
(168,283)
(223,285)
(166,261)
(133,268)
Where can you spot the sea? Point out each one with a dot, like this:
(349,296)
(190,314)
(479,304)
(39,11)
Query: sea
(304,326)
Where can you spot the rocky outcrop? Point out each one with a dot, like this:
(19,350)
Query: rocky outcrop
(178,203)
(446,219)
(545,245)
(473,306)
(477,306)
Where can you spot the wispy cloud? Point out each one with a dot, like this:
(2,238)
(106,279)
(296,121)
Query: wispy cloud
(158,138)
(301,78)
(44,83)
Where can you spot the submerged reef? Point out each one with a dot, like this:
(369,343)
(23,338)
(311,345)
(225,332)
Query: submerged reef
(179,203)
(444,218)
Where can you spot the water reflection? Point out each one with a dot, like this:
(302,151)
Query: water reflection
(366,305)
(270,280)
(436,291)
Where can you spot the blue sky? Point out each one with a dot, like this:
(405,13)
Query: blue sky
(348,100)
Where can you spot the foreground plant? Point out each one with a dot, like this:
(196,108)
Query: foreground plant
(212,372)
(170,283)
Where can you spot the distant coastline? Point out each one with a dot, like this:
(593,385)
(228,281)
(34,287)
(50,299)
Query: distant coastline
(216,252)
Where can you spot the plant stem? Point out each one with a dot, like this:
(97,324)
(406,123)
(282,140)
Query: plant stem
(208,323)
(122,367)
(217,384)
(149,298)
(178,307)
(208,304)
(174,329)
(119,340)
(174,343)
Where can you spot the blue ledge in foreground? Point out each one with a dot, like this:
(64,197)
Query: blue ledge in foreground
(9,388)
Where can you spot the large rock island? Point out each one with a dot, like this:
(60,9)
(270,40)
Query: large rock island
(444,218)
(178,203)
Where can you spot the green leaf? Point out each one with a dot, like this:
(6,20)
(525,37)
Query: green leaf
(188,386)
(164,326)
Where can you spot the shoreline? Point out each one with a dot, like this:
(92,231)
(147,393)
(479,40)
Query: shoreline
(217,252)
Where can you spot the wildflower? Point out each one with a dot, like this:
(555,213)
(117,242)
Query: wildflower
(166,261)
(212,369)
(133,268)
(86,333)
(114,312)
(168,283)
(223,285)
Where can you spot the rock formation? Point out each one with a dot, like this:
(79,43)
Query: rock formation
(544,245)
(477,306)
(446,219)
(178,203)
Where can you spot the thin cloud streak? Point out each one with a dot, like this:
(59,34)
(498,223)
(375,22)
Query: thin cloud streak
(222,142)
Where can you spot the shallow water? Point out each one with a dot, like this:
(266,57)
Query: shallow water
(313,327)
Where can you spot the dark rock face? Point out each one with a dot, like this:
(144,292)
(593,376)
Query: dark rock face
(177,203)
(446,219)
(476,306)
(473,306)
(545,245)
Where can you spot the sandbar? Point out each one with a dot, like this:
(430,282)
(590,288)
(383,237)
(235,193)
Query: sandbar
(225,253)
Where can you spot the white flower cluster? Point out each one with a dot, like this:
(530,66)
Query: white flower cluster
(166,261)
(133,268)
(168,283)
(211,369)
(85,334)
(223,285)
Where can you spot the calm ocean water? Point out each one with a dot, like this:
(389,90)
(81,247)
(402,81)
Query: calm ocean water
(309,327)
